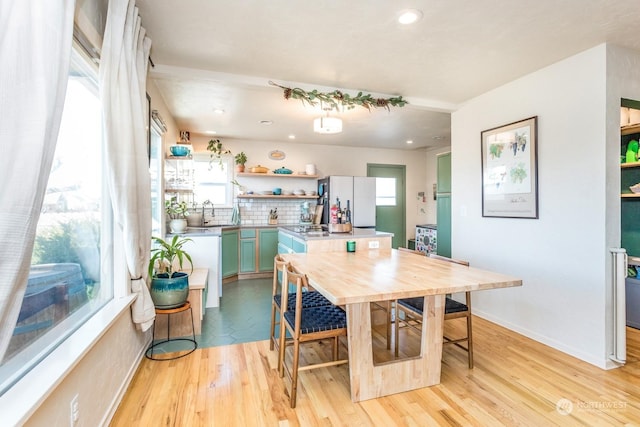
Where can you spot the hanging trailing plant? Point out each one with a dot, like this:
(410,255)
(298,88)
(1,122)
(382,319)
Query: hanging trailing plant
(337,98)
(217,151)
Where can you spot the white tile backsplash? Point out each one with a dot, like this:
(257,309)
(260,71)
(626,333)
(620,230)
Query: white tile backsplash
(256,211)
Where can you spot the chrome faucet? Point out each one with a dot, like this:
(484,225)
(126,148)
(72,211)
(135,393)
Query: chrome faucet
(213,212)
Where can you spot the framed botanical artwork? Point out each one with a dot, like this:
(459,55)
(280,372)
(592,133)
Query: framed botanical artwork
(510,170)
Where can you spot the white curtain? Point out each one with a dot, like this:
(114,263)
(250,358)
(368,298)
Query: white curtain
(123,71)
(35,51)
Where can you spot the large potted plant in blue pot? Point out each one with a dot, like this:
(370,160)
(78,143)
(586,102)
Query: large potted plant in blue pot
(169,288)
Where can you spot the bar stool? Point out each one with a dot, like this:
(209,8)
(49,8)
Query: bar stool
(187,306)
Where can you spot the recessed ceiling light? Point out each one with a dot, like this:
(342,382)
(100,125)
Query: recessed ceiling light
(210,132)
(409,141)
(409,16)
(292,136)
(218,111)
(437,137)
(266,122)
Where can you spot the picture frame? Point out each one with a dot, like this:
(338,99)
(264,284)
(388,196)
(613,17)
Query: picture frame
(510,170)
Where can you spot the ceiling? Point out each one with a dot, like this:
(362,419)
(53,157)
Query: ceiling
(217,54)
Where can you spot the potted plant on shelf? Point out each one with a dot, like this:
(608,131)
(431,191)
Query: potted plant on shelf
(177,212)
(169,288)
(240,159)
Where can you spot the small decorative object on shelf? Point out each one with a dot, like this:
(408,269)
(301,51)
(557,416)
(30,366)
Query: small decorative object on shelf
(632,151)
(179,150)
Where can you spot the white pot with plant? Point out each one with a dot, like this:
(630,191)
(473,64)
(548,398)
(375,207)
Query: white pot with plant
(177,212)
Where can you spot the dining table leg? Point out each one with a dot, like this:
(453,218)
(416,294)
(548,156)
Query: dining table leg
(369,380)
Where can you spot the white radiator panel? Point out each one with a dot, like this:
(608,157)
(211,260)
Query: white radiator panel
(619,257)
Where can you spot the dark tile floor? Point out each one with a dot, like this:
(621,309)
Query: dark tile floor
(243,316)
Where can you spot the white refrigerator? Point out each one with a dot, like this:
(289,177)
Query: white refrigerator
(360,191)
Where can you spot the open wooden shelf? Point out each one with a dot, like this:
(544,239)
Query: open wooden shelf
(630,195)
(630,165)
(276,175)
(629,129)
(265,196)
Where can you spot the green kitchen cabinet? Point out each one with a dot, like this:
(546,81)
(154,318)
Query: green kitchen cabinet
(287,244)
(248,250)
(299,246)
(268,240)
(230,241)
(247,255)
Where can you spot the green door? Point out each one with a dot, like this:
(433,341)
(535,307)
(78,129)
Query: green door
(390,200)
(444,224)
(443,205)
(444,173)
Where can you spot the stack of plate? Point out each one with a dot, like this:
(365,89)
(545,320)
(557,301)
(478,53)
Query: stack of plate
(267,193)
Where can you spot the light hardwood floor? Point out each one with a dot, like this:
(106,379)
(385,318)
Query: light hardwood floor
(515,381)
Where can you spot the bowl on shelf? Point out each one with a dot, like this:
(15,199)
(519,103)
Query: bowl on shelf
(635,188)
(179,150)
(283,171)
(299,192)
(277,191)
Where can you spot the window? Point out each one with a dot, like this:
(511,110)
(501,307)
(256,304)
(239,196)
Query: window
(212,180)
(155,171)
(385,191)
(66,283)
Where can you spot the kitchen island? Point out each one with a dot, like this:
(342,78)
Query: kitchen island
(312,239)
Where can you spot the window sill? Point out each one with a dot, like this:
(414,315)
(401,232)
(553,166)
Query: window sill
(29,393)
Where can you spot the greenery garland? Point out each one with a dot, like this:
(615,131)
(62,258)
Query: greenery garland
(336,98)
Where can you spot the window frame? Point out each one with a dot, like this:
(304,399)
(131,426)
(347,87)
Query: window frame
(50,352)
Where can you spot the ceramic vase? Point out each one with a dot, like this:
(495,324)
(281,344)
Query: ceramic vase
(178,225)
(169,292)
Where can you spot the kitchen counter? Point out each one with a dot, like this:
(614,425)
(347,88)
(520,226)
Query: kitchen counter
(318,233)
(315,239)
(216,230)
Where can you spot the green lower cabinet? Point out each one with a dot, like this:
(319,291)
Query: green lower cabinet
(247,255)
(268,239)
(229,253)
(299,246)
(288,244)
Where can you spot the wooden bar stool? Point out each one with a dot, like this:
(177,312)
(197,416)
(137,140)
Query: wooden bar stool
(187,306)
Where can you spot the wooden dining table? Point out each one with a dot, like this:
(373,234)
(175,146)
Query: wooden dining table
(356,279)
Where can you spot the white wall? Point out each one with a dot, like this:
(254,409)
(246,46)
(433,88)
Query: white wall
(562,257)
(98,379)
